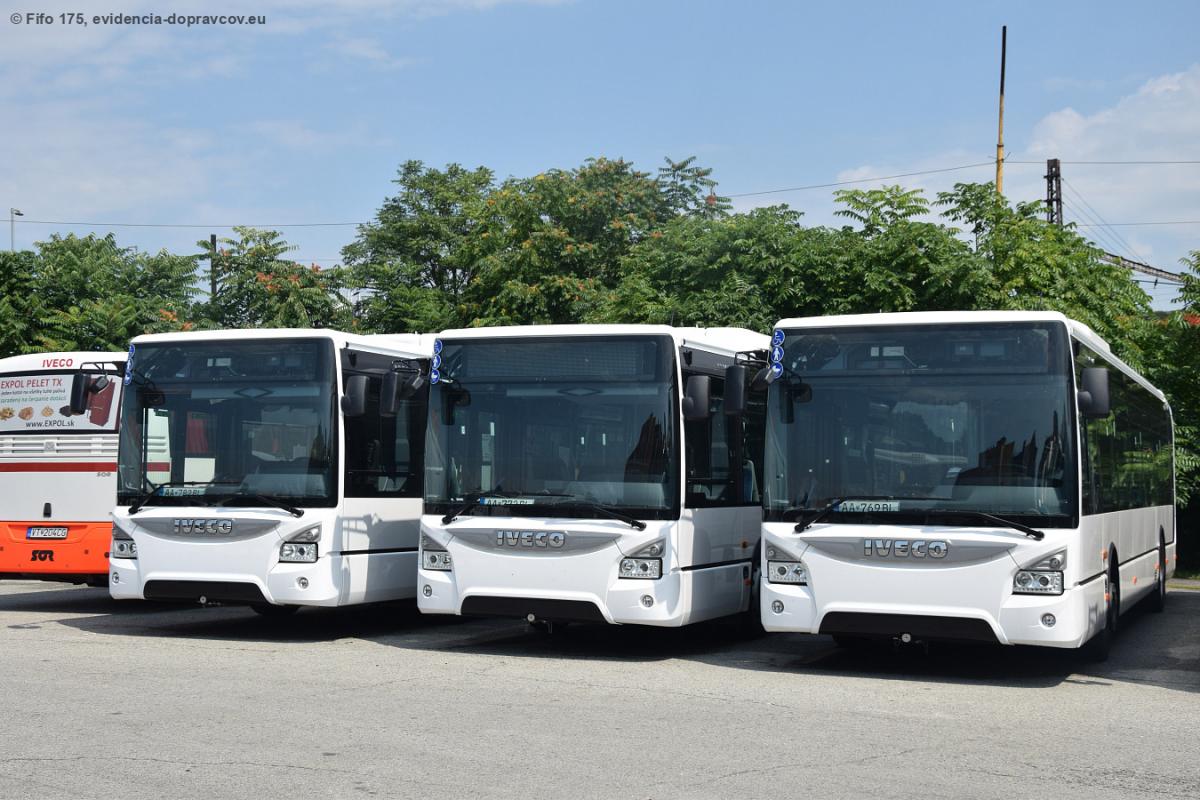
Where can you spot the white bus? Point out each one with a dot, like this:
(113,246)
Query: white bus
(590,473)
(275,468)
(58,459)
(988,476)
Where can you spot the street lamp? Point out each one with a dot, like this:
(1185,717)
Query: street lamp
(13,213)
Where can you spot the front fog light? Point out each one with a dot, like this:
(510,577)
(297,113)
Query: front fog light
(436,559)
(787,572)
(298,552)
(1034,581)
(1048,620)
(640,568)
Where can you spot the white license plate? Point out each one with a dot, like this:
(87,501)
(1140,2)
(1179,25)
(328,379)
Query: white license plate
(46,533)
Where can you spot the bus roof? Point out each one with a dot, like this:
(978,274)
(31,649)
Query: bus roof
(68,361)
(411,344)
(717,340)
(1077,329)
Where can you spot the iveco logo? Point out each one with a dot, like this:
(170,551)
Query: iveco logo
(530,538)
(204,527)
(902,548)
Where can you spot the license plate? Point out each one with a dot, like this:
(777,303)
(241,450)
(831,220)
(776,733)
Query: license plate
(46,533)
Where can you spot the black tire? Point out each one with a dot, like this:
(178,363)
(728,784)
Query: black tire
(1099,647)
(1158,600)
(270,611)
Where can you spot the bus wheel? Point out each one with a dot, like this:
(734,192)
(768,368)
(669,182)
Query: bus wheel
(1100,645)
(1158,600)
(273,611)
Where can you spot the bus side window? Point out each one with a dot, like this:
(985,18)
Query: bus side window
(710,471)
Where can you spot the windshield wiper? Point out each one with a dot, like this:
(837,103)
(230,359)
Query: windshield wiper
(599,508)
(262,498)
(992,518)
(138,504)
(821,514)
(472,499)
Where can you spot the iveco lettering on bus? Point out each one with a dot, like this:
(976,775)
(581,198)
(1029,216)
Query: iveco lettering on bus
(989,476)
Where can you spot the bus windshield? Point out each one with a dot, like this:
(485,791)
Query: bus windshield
(897,421)
(203,421)
(544,426)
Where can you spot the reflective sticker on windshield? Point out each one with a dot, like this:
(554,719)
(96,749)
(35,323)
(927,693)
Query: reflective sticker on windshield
(869,505)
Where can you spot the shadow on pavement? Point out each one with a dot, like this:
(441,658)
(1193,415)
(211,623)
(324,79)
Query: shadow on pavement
(1152,649)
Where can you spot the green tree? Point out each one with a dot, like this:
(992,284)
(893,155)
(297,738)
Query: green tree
(1032,264)
(20,307)
(257,287)
(690,190)
(96,295)
(559,239)
(415,262)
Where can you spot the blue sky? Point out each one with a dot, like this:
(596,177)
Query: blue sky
(305,118)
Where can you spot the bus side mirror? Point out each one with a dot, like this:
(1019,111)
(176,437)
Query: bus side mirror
(760,383)
(1092,396)
(695,398)
(354,402)
(389,395)
(79,393)
(735,389)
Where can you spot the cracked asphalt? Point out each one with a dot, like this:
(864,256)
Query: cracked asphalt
(129,700)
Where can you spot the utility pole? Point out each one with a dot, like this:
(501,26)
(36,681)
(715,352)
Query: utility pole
(1000,135)
(1054,211)
(212,269)
(13,213)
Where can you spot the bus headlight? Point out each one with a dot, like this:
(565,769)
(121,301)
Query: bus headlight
(1037,581)
(787,572)
(123,545)
(434,556)
(436,560)
(640,568)
(301,548)
(298,552)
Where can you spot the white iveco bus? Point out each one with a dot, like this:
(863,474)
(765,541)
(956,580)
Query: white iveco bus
(591,473)
(990,476)
(58,459)
(276,468)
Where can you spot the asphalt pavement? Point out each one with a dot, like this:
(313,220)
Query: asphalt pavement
(140,700)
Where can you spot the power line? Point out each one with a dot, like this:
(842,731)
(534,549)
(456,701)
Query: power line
(1130,248)
(1133,224)
(1108,163)
(864,180)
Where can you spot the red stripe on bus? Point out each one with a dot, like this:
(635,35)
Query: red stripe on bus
(62,466)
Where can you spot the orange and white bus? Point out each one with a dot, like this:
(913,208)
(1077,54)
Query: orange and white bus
(58,461)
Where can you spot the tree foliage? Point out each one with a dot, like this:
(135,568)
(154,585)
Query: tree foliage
(605,242)
(256,287)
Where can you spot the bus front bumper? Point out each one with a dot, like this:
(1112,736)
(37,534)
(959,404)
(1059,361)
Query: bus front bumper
(569,587)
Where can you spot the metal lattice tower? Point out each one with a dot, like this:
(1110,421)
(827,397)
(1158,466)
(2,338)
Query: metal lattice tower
(1054,197)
